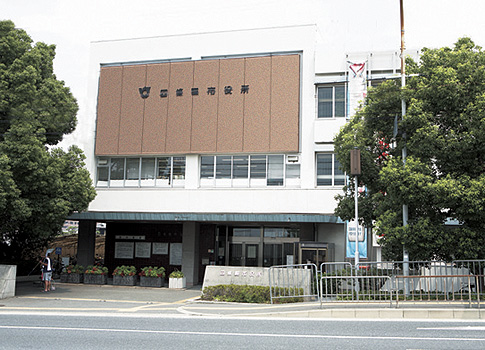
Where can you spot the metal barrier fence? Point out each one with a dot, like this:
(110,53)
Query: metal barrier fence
(340,282)
(460,281)
(297,282)
(398,281)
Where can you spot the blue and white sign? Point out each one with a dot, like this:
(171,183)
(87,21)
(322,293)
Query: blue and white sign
(350,240)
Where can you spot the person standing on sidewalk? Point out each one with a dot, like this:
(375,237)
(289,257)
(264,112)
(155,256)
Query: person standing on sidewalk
(46,272)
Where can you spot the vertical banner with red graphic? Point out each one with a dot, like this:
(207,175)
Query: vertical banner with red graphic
(357,87)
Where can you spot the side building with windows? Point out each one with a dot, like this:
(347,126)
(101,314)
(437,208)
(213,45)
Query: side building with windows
(217,148)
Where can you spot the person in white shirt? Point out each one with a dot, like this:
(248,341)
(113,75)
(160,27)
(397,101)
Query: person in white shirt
(46,272)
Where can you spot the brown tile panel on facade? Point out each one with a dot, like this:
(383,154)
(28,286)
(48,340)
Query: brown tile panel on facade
(180,107)
(257,106)
(156,109)
(209,106)
(230,120)
(204,107)
(285,103)
(132,107)
(109,105)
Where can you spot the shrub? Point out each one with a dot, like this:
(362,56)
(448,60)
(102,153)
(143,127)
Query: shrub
(151,271)
(124,271)
(176,274)
(73,269)
(249,294)
(96,270)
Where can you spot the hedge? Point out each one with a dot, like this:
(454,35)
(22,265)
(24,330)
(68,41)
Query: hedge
(248,294)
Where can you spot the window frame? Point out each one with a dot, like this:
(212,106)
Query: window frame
(334,100)
(334,176)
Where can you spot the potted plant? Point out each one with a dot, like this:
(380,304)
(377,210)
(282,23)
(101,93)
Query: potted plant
(125,276)
(176,279)
(151,276)
(96,275)
(72,274)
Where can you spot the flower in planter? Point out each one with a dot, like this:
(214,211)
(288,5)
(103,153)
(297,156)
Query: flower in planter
(176,274)
(151,271)
(73,269)
(96,270)
(125,271)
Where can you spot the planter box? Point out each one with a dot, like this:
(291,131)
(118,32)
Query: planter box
(124,280)
(155,282)
(177,283)
(72,278)
(95,279)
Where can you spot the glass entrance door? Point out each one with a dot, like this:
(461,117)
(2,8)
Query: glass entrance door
(313,256)
(236,257)
(259,245)
(251,258)
(243,254)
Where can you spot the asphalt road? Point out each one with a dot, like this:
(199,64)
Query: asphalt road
(105,331)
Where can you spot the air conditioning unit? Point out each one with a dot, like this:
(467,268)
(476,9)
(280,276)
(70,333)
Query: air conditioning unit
(292,159)
(102,162)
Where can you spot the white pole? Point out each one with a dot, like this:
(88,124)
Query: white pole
(404,150)
(356,224)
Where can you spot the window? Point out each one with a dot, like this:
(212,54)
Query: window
(132,171)
(281,232)
(207,167)
(102,172)
(246,232)
(240,167)
(249,171)
(223,167)
(147,177)
(178,171)
(171,172)
(117,172)
(141,172)
(328,170)
(258,167)
(275,170)
(331,101)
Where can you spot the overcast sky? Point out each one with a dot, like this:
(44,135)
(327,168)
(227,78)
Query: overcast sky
(72,24)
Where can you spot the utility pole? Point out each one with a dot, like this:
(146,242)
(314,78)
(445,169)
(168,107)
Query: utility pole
(404,150)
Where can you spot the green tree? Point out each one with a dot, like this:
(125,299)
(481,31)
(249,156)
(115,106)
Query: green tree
(39,185)
(444,175)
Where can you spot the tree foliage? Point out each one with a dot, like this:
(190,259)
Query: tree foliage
(444,175)
(39,185)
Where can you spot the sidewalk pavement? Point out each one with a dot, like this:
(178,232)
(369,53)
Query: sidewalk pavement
(152,302)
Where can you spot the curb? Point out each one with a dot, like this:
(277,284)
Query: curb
(396,314)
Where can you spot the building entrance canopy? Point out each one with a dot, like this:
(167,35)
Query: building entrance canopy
(204,217)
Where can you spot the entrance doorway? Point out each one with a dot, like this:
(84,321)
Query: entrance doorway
(315,253)
(257,246)
(243,254)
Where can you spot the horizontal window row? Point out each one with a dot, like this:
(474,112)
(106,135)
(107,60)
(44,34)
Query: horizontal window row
(272,232)
(248,171)
(216,171)
(141,172)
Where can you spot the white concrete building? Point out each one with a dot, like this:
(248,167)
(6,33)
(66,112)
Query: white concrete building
(216,148)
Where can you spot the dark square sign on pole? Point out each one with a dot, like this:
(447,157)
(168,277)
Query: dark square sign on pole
(355,162)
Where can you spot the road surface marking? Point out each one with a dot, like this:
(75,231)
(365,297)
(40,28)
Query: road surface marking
(272,335)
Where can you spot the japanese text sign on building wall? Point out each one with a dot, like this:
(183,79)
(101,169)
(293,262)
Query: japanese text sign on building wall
(228,89)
